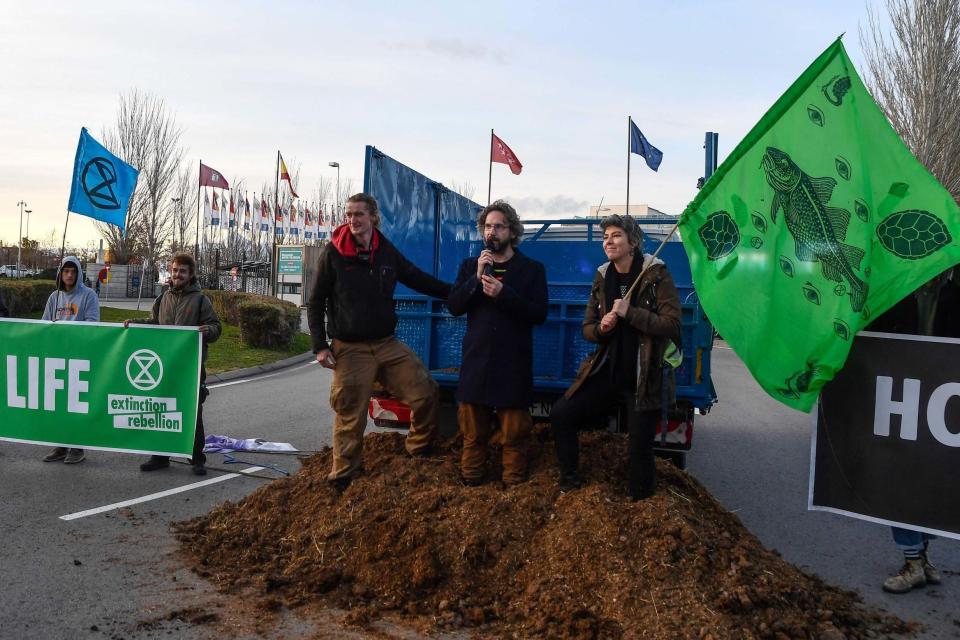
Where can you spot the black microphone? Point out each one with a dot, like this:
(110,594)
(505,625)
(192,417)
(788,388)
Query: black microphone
(488,268)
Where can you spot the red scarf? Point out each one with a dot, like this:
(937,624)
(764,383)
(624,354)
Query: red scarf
(346,244)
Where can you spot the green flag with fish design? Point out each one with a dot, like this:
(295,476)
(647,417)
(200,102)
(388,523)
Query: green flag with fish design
(818,221)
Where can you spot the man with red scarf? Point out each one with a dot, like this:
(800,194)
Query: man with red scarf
(352,306)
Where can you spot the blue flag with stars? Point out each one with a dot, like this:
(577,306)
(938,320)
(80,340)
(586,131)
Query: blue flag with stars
(102,183)
(640,146)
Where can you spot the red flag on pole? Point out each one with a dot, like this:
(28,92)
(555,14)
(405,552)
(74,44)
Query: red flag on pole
(285,175)
(212,178)
(501,153)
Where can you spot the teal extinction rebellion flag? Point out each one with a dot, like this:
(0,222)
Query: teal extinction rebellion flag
(819,221)
(102,183)
(99,386)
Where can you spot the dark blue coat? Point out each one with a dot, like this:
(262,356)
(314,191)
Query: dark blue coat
(497,366)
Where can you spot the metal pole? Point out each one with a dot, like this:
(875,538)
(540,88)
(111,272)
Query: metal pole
(28,212)
(629,122)
(490,170)
(196,247)
(21,204)
(276,209)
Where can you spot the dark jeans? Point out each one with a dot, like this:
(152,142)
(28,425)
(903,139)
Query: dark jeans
(598,397)
(199,457)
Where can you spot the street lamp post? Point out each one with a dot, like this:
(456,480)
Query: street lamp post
(20,204)
(337,207)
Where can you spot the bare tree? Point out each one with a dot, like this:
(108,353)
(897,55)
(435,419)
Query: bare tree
(466,188)
(914,75)
(146,136)
(184,200)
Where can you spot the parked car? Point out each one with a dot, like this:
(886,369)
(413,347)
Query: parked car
(10,271)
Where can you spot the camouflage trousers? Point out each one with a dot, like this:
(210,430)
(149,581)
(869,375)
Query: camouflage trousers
(392,364)
(475,425)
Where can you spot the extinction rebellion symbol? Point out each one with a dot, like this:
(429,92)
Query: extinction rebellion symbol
(98,179)
(144,369)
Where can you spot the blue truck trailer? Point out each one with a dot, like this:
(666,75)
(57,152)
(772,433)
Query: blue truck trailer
(436,229)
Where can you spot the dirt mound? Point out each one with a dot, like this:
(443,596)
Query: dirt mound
(406,539)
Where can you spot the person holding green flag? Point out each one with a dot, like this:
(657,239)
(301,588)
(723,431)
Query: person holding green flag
(72,301)
(823,220)
(633,314)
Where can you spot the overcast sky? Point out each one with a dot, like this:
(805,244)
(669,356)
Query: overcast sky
(424,82)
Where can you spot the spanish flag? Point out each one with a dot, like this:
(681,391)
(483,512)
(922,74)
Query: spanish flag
(285,175)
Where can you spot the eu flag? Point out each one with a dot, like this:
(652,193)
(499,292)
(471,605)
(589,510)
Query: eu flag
(640,146)
(102,183)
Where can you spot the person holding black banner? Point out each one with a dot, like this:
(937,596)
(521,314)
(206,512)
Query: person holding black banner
(72,301)
(504,294)
(636,327)
(184,304)
(904,318)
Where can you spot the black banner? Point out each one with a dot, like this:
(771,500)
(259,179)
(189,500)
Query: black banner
(886,445)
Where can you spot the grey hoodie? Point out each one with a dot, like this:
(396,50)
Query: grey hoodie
(80,304)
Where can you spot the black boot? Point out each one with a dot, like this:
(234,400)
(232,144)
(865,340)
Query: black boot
(569,480)
(155,462)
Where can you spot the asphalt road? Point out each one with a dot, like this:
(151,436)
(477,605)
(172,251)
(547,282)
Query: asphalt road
(116,574)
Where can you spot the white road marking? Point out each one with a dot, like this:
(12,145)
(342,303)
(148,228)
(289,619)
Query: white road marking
(258,378)
(158,495)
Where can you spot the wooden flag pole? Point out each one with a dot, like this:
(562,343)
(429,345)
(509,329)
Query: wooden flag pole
(655,254)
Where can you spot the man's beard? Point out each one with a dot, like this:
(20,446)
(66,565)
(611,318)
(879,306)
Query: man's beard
(496,245)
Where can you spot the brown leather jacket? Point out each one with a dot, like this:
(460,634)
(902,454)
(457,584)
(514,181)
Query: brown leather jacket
(654,312)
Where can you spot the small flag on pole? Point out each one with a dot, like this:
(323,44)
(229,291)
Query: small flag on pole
(215,212)
(500,152)
(207,211)
(102,183)
(642,147)
(212,178)
(285,175)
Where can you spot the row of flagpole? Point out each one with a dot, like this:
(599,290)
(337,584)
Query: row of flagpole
(103,184)
(636,143)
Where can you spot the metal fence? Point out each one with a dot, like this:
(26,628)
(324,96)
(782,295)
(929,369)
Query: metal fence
(252,276)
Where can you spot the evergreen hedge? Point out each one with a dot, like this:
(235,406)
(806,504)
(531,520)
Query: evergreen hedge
(25,296)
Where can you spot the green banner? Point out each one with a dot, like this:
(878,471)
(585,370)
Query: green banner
(99,386)
(818,221)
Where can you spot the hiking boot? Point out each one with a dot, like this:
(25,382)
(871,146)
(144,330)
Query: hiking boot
(74,456)
(58,454)
(911,576)
(155,462)
(340,484)
(199,470)
(930,572)
(570,481)
(425,452)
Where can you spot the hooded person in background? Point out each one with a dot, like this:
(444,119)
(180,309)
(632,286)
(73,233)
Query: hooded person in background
(73,301)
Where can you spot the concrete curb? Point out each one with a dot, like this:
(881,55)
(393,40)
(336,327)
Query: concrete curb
(226,376)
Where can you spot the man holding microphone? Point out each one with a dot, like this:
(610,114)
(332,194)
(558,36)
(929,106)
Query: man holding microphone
(504,294)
